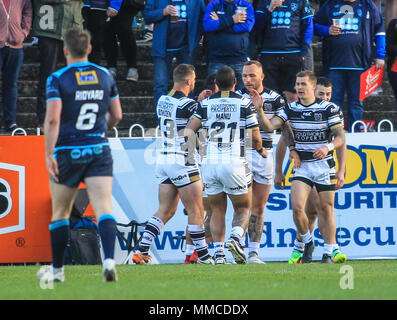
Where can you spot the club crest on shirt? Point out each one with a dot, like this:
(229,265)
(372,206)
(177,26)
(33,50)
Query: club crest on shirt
(267,107)
(86,77)
(318,116)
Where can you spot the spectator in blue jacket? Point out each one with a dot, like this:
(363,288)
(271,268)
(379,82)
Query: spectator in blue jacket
(349,29)
(228,32)
(95,13)
(287,32)
(176,33)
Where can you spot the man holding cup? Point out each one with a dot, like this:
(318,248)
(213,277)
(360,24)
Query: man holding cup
(228,24)
(286,28)
(349,29)
(176,33)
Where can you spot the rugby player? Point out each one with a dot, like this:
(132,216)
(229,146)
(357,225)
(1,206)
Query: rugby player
(318,130)
(227,117)
(82,105)
(261,168)
(323,91)
(176,170)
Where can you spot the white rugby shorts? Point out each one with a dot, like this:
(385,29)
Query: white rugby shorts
(232,178)
(172,169)
(262,168)
(320,173)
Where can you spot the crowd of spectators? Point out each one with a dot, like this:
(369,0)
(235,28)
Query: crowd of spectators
(279,33)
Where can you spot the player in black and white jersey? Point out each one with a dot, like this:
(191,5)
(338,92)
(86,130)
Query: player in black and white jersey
(323,91)
(314,123)
(191,257)
(227,117)
(177,173)
(261,168)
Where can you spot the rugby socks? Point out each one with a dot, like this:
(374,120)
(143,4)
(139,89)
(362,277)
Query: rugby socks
(237,232)
(152,230)
(219,249)
(59,235)
(254,247)
(307,237)
(328,248)
(189,249)
(197,233)
(299,246)
(107,232)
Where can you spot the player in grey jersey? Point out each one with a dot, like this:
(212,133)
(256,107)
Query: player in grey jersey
(314,123)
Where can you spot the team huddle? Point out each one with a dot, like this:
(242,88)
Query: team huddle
(217,148)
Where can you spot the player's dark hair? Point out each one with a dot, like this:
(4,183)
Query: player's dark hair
(310,74)
(77,41)
(323,81)
(210,82)
(225,78)
(182,72)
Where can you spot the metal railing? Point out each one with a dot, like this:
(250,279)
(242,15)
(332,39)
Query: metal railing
(155,132)
(364,126)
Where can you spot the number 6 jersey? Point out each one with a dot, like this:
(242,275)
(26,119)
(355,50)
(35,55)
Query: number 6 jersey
(85,90)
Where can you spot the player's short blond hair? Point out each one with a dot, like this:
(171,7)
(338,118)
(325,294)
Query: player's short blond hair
(182,72)
(253,62)
(77,41)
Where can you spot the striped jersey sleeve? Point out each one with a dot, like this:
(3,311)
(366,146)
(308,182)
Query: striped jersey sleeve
(248,115)
(200,112)
(283,113)
(334,116)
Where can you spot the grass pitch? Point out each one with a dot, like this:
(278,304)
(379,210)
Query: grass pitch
(369,280)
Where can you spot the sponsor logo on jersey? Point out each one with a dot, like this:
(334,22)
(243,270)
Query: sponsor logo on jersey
(86,77)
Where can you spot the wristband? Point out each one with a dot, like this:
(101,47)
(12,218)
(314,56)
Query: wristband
(330,146)
(291,148)
(259,150)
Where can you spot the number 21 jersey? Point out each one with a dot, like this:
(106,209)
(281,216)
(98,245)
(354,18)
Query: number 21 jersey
(225,115)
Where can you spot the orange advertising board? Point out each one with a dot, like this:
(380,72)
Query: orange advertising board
(25,201)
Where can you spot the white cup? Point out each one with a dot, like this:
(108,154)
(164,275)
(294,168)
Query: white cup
(336,22)
(241,9)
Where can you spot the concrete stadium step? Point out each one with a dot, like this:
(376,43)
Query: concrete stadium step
(144,103)
(137,98)
(140,110)
(136,104)
(143,53)
(28,88)
(30,71)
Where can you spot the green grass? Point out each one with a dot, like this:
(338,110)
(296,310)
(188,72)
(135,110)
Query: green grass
(372,280)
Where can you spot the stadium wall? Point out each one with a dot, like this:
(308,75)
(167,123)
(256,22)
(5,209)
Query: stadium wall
(365,208)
